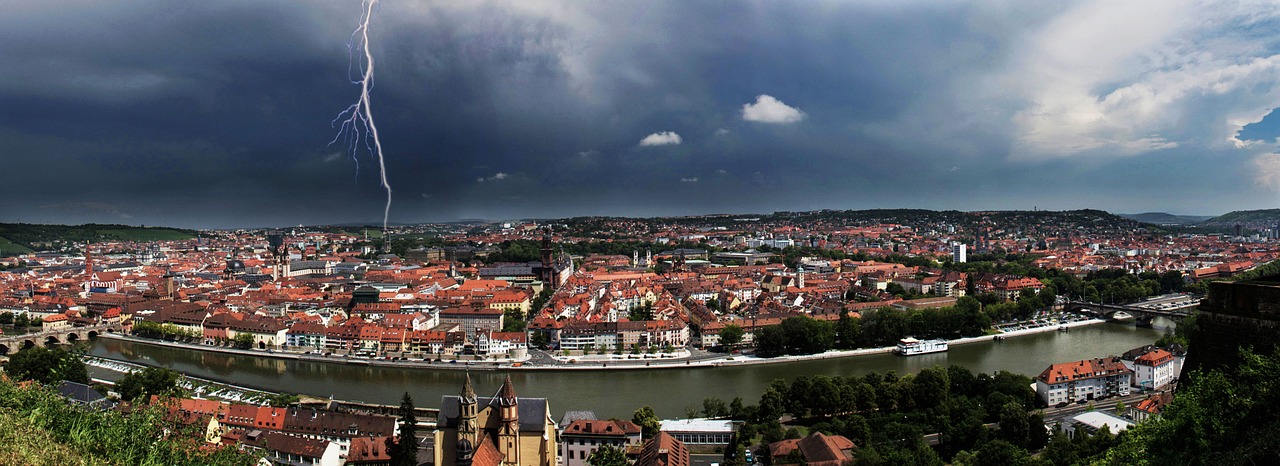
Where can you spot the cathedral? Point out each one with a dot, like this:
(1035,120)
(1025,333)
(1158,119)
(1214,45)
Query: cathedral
(503,430)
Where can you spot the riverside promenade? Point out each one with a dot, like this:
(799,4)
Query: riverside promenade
(681,359)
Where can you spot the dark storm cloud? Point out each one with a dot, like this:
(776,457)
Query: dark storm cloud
(218,114)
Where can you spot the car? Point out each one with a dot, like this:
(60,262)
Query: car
(1061,405)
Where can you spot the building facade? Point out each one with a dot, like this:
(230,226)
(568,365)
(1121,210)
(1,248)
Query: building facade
(504,430)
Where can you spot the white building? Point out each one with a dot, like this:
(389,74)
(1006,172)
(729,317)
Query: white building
(700,431)
(959,253)
(1094,421)
(1154,369)
(1078,381)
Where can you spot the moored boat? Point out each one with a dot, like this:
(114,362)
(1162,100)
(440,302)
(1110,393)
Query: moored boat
(910,346)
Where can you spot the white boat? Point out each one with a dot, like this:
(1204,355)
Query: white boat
(910,346)
(1121,316)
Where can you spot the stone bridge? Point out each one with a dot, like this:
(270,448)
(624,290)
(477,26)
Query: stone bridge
(1143,314)
(13,343)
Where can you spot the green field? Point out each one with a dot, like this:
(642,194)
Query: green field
(10,248)
(147,234)
(17,238)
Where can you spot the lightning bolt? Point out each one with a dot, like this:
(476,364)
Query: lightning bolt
(355,124)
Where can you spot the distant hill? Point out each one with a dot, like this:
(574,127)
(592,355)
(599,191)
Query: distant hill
(1247,217)
(1162,218)
(18,238)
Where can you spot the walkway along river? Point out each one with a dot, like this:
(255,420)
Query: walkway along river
(617,393)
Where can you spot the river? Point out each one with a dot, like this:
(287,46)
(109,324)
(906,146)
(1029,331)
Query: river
(617,393)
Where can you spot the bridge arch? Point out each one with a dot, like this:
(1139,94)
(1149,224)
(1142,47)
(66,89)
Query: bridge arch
(28,343)
(94,334)
(51,340)
(72,338)
(4,348)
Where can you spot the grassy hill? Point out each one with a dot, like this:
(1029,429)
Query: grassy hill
(1162,218)
(18,238)
(1247,216)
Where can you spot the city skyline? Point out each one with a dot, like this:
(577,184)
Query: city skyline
(219,115)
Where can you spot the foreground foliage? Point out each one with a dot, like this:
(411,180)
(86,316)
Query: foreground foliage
(74,435)
(1217,417)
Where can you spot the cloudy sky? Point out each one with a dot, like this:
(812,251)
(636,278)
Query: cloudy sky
(218,114)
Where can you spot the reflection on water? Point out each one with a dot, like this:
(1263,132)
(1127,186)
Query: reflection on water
(618,393)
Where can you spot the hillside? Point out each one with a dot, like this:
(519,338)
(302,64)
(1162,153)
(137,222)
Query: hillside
(1247,217)
(1163,218)
(18,238)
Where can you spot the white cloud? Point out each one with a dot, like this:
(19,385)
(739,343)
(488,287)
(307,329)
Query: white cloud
(661,138)
(770,110)
(689,180)
(1127,78)
(1267,171)
(722,132)
(496,177)
(332,157)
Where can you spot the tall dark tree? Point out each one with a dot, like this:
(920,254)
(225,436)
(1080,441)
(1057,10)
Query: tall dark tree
(404,449)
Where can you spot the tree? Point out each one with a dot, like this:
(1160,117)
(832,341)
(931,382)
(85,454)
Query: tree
(1014,427)
(244,340)
(6,318)
(141,384)
(607,455)
(47,366)
(404,449)
(648,422)
(731,335)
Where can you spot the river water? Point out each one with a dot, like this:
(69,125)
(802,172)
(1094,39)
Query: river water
(617,393)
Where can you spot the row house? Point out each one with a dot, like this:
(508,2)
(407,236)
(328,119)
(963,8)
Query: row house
(266,332)
(1088,379)
(515,344)
(306,335)
(584,436)
(472,319)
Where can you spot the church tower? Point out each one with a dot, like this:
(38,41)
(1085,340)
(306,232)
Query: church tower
(467,415)
(509,430)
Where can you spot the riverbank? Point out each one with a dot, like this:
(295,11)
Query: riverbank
(597,365)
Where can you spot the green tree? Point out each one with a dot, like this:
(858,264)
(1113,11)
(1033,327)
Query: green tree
(47,366)
(608,455)
(6,318)
(647,420)
(731,335)
(1220,416)
(141,384)
(404,449)
(243,340)
(1013,424)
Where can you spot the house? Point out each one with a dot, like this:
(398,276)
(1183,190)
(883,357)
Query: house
(815,450)
(288,450)
(663,450)
(582,437)
(83,395)
(1154,369)
(1083,380)
(1150,407)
